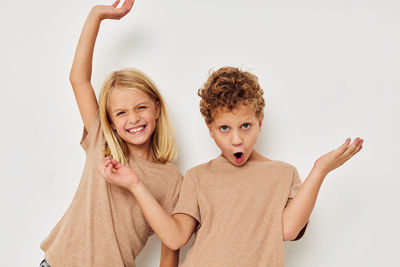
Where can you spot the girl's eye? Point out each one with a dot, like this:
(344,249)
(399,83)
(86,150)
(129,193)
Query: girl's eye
(142,107)
(120,113)
(224,128)
(246,126)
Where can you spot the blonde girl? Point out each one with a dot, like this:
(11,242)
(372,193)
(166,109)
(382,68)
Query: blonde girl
(104,226)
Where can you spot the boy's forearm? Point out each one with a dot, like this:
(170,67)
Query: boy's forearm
(298,211)
(162,223)
(169,257)
(81,69)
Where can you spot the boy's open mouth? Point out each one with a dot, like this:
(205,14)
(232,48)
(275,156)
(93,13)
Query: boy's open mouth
(239,157)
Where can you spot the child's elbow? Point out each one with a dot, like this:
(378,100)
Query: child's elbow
(176,244)
(290,234)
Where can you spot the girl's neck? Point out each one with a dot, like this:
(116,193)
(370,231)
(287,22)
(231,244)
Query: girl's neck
(144,152)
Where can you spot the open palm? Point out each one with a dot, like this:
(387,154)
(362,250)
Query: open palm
(112,12)
(337,157)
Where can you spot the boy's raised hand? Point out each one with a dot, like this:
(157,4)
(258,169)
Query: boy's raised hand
(118,174)
(112,12)
(337,157)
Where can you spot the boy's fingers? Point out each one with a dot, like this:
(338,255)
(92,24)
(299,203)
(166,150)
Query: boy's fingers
(343,147)
(352,148)
(359,147)
(108,171)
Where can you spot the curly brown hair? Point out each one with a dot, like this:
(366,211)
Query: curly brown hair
(226,88)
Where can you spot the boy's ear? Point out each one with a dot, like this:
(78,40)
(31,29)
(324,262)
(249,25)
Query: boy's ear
(210,130)
(260,120)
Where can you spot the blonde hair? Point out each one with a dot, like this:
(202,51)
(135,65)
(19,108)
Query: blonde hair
(162,143)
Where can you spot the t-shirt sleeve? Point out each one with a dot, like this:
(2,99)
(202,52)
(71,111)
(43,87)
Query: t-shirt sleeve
(174,195)
(188,200)
(296,183)
(93,137)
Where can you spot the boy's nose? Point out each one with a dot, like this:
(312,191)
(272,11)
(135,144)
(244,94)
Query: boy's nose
(236,139)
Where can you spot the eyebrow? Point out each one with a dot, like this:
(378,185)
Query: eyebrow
(139,104)
(246,120)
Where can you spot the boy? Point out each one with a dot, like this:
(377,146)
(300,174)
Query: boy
(241,204)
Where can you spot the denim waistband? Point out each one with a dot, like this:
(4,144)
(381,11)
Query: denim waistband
(44,264)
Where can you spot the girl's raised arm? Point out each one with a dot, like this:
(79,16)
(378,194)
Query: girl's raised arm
(81,71)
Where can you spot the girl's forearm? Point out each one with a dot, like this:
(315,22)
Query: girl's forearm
(162,223)
(81,70)
(298,211)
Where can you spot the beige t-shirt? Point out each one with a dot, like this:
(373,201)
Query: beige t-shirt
(104,225)
(239,210)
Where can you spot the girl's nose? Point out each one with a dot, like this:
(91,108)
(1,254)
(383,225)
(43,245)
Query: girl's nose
(134,118)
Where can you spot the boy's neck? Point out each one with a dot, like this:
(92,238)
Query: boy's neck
(257,157)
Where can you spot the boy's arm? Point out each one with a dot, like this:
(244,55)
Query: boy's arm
(298,210)
(174,231)
(81,70)
(169,257)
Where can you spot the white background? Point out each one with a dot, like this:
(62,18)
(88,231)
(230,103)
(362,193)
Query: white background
(330,70)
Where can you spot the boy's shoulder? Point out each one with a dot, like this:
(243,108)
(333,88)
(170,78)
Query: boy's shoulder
(202,167)
(283,164)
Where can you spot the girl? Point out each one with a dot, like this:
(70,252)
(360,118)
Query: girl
(104,225)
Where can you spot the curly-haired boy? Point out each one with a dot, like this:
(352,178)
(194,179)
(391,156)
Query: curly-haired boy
(241,205)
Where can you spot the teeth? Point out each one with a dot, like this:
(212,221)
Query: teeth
(135,130)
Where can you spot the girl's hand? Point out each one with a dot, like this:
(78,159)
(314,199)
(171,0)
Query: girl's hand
(112,12)
(337,157)
(118,174)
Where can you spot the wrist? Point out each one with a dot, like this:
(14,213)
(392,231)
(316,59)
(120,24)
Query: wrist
(320,172)
(96,14)
(136,187)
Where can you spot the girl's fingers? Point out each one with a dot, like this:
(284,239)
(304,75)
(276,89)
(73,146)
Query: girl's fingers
(127,6)
(115,3)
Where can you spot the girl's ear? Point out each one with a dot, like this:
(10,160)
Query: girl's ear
(112,125)
(158,108)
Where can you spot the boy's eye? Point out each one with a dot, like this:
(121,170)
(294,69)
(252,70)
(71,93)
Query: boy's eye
(246,126)
(142,107)
(224,128)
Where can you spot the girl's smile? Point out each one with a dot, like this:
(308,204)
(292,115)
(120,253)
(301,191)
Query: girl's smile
(137,130)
